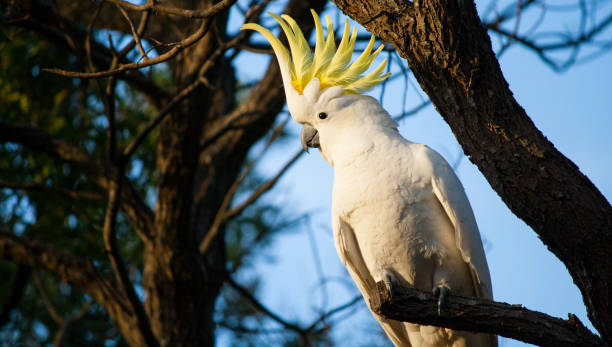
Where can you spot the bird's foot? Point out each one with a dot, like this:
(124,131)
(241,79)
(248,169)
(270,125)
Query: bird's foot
(390,279)
(440,292)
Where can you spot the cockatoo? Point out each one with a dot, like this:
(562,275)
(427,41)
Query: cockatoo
(399,213)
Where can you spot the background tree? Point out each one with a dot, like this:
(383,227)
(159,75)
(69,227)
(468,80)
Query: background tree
(128,143)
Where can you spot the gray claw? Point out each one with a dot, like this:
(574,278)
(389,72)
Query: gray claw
(440,292)
(390,278)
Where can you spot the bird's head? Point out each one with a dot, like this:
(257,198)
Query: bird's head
(322,86)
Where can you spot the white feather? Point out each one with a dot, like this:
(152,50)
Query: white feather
(398,207)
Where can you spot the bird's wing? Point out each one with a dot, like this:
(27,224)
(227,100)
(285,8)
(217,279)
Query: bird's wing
(449,192)
(350,254)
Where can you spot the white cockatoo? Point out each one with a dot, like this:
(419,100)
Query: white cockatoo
(399,212)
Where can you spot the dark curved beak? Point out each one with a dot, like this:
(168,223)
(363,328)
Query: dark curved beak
(309,137)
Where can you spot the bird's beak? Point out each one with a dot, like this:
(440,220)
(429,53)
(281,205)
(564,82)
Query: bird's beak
(310,137)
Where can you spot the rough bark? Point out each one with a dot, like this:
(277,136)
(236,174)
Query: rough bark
(482,315)
(451,56)
(181,285)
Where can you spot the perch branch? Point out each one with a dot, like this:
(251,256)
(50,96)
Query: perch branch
(481,315)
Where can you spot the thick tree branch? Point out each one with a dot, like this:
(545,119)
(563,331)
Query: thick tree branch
(450,54)
(76,271)
(481,315)
(66,266)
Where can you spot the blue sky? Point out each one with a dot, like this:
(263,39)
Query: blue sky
(572,109)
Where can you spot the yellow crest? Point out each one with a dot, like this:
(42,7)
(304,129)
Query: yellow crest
(328,64)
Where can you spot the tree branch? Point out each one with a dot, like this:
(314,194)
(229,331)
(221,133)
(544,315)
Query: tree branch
(177,47)
(204,13)
(46,300)
(34,187)
(22,276)
(79,273)
(63,323)
(263,188)
(159,117)
(333,311)
(100,172)
(481,315)
(260,307)
(136,33)
(66,266)
(42,20)
(224,214)
(450,54)
(118,264)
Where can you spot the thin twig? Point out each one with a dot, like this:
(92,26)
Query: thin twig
(63,323)
(316,256)
(542,49)
(227,199)
(46,300)
(109,101)
(204,13)
(227,123)
(517,24)
(54,190)
(177,47)
(340,308)
(413,110)
(135,34)
(260,307)
(246,330)
(264,187)
(117,262)
(129,150)
(223,215)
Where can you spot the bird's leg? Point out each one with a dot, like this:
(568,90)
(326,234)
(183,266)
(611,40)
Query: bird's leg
(440,292)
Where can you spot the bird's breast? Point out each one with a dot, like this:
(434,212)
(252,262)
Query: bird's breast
(396,218)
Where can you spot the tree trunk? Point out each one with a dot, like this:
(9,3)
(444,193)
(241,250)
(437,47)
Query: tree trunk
(181,285)
(451,56)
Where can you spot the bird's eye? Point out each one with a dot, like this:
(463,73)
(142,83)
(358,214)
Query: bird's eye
(322,115)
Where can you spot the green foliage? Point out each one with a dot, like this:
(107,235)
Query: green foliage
(70,110)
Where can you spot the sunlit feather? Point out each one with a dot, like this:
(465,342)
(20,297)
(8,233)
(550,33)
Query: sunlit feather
(330,65)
